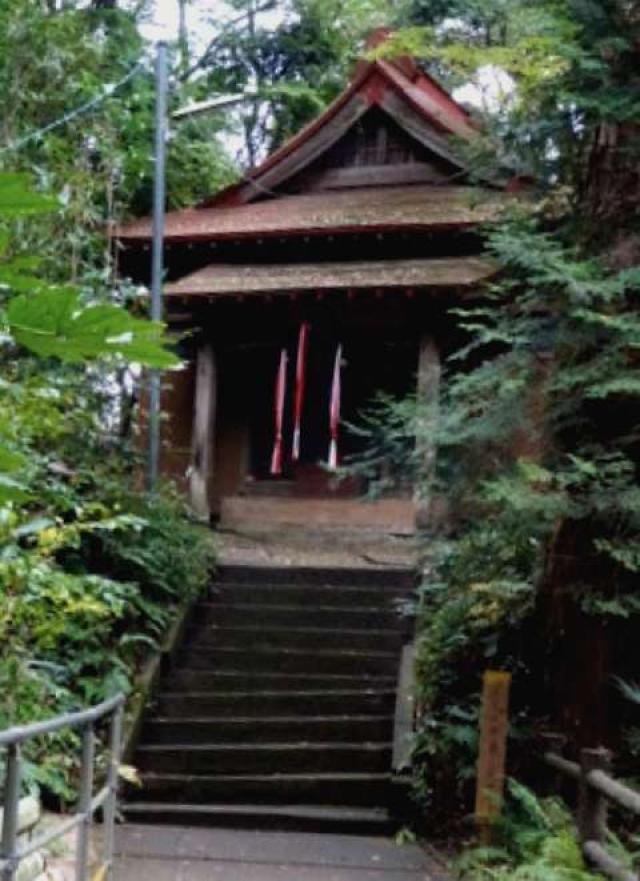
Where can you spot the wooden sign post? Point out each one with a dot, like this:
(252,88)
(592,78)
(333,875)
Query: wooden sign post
(494,728)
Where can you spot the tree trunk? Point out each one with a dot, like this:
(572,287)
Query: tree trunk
(183,36)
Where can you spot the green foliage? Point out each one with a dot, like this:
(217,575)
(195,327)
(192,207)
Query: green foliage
(473,610)
(57,324)
(86,591)
(537,437)
(535,429)
(91,570)
(537,842)
(387,428)
(297,66)
(570,68)
(19,199)
(55,58)
(56,321)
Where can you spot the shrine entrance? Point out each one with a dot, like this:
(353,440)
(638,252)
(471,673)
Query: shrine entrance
(370,361)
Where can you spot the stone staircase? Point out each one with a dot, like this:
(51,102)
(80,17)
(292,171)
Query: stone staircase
(279,708)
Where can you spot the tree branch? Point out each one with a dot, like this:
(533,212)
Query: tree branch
(201,62)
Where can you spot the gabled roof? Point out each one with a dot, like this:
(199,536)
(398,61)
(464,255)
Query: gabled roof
(399,87)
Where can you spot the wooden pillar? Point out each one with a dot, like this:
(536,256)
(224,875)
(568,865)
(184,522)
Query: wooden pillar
(428,397)
(494,728)
(203,436)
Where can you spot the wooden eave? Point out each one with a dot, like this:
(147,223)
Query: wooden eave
(229,280)
(366,210)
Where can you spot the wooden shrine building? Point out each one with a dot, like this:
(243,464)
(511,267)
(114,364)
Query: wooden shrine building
(352,241)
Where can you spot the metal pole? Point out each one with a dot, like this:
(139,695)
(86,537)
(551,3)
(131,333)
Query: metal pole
(112,781)
(84,804)
(157,267)
(11,808)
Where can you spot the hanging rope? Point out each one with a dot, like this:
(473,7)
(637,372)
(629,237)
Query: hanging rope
(334,410)
(301,370)
(278,415)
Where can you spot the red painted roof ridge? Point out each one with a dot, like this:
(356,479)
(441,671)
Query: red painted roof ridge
(426,95)
(439,106)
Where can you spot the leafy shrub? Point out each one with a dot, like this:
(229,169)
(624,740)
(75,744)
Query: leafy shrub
(535,841)
(91,570)
(79,613)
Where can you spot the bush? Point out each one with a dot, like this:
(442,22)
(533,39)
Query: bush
(82,604)
(535,841)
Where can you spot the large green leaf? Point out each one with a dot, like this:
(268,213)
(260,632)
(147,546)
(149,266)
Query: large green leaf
(11,490)
(54,323)
(10,460)
(17,274)
(18,198)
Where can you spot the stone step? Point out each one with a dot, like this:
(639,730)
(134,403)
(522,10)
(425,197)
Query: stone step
(269,636)
(293,818)
(314,513)
(309,594)
(274,703)
(264,758)
(265,660)
(186,679)
(317,575)
(354,790)
(274,729)
(358,617)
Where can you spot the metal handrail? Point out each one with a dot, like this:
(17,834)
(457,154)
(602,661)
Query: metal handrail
(20,733)
(11,854)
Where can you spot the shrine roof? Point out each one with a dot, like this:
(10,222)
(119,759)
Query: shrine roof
(378,82)
(224,279)
(293,193)
(371,209)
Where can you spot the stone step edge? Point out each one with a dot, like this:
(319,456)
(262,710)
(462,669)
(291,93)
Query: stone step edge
(359,692)
(319,812)
(302,607)
(185,672)
(225,568)
(311,587)
(301,746)
(333,717)
(331,653)
(321,777)
(302,631)
(322,717)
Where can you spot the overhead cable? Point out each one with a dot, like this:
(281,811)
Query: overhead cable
(108,91)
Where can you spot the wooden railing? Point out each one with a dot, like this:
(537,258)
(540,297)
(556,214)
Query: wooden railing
(597,788)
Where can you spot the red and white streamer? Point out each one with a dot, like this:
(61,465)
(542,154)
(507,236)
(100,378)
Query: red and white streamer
(301,375)
(278,413)
(334,410)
